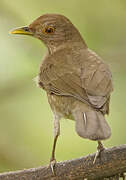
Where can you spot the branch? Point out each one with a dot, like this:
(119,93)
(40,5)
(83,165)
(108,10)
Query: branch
(112,162)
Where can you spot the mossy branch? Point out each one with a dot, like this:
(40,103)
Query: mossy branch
(112,163)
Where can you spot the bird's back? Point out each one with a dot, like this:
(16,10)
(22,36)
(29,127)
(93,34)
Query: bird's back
(80,74)
(78,84)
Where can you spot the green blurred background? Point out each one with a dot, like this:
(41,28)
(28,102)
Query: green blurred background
(25,116)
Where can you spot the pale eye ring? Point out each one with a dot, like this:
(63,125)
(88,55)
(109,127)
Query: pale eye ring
(48,30)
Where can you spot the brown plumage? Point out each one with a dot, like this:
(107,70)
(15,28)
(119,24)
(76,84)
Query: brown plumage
(78,83)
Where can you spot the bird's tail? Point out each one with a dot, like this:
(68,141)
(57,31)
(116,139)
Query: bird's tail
(91,125)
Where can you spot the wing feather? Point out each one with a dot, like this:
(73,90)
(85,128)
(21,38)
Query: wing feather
(89,81)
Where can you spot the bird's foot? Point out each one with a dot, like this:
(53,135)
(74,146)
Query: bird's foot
(100,148)
(52,165)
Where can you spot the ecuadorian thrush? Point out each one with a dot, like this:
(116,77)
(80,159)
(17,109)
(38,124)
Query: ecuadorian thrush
(77,81)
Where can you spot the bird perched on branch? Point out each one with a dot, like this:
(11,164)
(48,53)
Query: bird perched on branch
(77,82)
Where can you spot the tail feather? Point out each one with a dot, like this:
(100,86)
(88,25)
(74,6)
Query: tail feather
(92,125)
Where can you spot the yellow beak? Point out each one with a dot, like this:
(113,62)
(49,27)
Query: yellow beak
(23,31)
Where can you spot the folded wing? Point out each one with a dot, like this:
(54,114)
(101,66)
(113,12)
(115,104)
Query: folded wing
(88,80)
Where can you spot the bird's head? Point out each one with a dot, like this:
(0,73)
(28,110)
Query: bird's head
(52,29)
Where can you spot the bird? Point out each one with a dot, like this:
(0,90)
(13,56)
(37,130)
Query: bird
(78,83)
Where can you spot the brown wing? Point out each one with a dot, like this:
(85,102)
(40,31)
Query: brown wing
(88,79)
(97,80)
(61,80)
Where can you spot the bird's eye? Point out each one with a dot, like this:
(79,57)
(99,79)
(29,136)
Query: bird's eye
(48,30)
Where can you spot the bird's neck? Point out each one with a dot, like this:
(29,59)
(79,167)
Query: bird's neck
(75,44)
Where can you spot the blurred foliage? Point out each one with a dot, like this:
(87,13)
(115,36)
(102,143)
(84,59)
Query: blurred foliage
(25,116)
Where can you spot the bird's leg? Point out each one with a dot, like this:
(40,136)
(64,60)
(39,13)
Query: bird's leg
(56,134)
(52,159)
(100,148)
